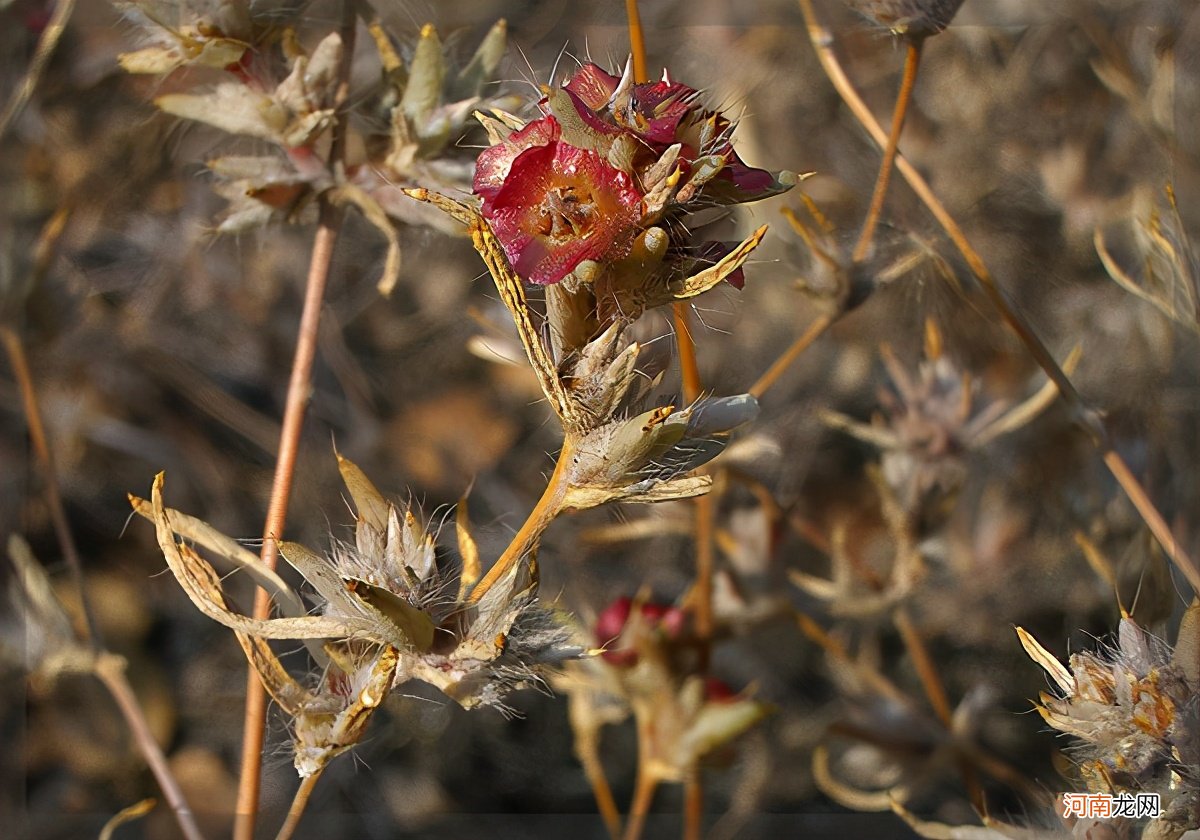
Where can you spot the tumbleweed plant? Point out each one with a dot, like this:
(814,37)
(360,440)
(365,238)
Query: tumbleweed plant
(590,420)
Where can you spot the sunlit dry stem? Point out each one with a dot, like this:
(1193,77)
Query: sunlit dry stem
(526,539)
(15,348)
(299,386)
(593,768)
(693,808)
(637,41)
(912,61)
(805,340)
(299,803)
(110,670)
(1087,417)
(935,690)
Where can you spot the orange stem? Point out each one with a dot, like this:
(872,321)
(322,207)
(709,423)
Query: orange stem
(637,41)
(299,385)
(547,508)
(815,330)
(911,63)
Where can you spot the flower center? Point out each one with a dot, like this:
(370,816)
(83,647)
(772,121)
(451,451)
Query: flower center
(566,212)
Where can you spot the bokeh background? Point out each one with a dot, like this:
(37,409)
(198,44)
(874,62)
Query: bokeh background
(157,346)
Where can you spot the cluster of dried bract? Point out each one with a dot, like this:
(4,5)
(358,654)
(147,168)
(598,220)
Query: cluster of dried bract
(385,614)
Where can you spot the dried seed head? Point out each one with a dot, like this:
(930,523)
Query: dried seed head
(644,458)
(912,18)
(387,614)
(1133,712)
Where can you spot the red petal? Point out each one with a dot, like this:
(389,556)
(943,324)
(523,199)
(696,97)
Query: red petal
(593,85)
(493,164)
(605,205)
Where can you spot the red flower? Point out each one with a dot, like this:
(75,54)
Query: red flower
(609,159)
(553,205)
(657,618)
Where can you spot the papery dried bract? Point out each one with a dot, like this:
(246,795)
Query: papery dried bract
(1133,712)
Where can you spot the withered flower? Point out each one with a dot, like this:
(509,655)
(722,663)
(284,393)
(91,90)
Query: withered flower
(1133,713)
(387,614)
(649,669)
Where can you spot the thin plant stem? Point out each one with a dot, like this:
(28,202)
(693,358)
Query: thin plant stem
(912,62)
(926,670)
(643,797)
(1086,416)
(547,508)
(47,42)
(289,445)
(593,768)
(15,348)
(296,402)
(935,690)
(299,804)
(704,527)
(693,808)
(689,366)
(637,41)
(814,331)
(110,670)
(692,384)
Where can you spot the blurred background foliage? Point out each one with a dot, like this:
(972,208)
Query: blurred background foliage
(157,346)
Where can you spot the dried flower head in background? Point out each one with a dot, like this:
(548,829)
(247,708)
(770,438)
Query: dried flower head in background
(650,668)
(932,421)
(275,89)
(911,18)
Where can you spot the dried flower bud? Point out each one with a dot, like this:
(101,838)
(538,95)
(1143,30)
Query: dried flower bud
(617,633)
(649,669)
(644,458)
